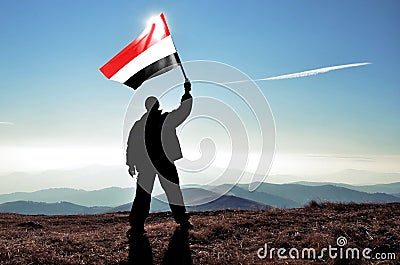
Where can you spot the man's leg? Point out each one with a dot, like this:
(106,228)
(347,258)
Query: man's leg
(141,204)
(170,183)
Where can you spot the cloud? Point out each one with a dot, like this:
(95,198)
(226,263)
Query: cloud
(6,123)
(304,73)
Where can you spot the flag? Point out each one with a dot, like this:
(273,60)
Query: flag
(149,55)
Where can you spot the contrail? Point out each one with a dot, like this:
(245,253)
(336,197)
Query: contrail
(303,74)
(6,123)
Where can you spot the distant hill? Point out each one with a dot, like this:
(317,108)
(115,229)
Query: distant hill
(230,202)
(201,200)
(195,196)
(261,197)
(119,199)
(302,194)
(390,188)
(155,206)
(28,207)
(112,196)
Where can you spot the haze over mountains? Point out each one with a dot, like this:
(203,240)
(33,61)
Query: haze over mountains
(114,199)
(94,178)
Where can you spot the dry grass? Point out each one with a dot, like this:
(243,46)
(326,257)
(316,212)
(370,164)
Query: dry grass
(220,237)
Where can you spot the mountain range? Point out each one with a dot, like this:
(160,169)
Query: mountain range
(114,199)
(98,177)
(297,195)
(110,197)
(58,208)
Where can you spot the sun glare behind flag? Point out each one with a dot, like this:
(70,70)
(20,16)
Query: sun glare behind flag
(149,55)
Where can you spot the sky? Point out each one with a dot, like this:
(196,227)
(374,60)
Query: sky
(57,110)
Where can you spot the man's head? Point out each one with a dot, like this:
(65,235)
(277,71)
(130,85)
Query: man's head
(152,104)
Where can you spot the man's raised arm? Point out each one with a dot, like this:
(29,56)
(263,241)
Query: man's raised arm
(179,115)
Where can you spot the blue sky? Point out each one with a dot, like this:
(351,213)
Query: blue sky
(52,92)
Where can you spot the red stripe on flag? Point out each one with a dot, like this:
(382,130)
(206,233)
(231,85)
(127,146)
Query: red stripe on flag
(165,24)
(155,32)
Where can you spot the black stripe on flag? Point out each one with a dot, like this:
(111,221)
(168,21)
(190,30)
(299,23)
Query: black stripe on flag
(159,67)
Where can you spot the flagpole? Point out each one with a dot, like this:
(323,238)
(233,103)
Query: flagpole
(180,64)
(183,72)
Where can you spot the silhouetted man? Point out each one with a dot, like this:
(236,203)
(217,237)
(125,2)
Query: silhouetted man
(153,146)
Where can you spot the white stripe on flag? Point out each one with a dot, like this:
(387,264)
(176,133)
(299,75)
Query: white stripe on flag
(156,52)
